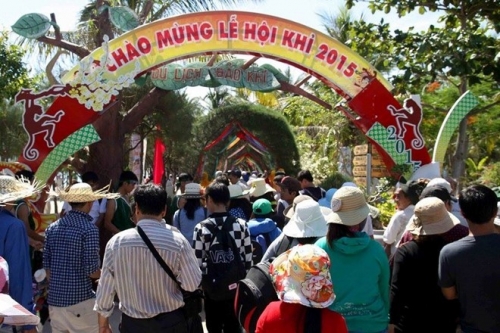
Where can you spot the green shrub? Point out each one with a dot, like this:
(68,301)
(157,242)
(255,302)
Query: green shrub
(334,181)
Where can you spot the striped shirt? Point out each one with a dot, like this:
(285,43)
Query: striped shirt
(71,253)
(131,271)
(202,238)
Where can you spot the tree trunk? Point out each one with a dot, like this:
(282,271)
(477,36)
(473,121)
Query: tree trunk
(461,151)
(106,157)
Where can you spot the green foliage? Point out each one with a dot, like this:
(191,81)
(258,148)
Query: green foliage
(12,136)
(268,126)
(334,180)
(382,199)
(319,132)
(386,206)
(490,175)
(13,72)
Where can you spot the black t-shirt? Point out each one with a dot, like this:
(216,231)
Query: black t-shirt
(314,192)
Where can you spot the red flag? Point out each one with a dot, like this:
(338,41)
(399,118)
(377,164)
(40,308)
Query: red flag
(158,166)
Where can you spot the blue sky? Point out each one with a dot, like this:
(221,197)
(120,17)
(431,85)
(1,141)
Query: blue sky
(300,11)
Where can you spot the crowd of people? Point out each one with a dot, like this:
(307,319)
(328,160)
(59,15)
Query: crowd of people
(436,269)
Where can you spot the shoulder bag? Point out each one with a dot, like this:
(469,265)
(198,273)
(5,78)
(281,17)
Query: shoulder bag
(192,299)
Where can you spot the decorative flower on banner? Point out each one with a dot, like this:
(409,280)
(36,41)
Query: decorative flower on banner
(89,86)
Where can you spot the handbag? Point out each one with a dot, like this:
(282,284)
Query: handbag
(192,299)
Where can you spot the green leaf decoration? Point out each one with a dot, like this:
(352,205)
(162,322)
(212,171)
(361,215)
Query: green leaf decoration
(141,80)
(32,25)
(196,74)
(123,18)
(276,72)
(211,82)
(260,79)
(229,73)
(164,77)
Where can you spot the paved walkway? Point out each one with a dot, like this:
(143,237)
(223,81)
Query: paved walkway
(114,321)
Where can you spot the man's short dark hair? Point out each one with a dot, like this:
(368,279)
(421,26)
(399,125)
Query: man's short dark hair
(150,199)
(235,172)
(437,192)
(218,192)
(127,176)
(478,204)
(90,177)
(185,177)
(221,179)
(411,192)
(305,174)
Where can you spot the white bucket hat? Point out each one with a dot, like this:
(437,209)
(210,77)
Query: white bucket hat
(348,207)
(192,191)
(308,220)
(82,192)
(290,210)
(236,191)
(12,189)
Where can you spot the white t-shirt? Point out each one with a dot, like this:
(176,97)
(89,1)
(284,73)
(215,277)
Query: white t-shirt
(368,228)
(97,208)
(396,227)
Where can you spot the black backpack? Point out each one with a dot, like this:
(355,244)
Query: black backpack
(224,265)
(286,243)
(257,250)
(253,295)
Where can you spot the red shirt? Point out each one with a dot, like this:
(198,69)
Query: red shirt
(289,318)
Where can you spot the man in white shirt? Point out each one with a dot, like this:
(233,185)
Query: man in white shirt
(405,198)
(150,300)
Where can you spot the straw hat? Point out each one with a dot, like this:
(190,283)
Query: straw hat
(260,187)
(12,189)
(348,207)
(308,220)
(302,275)
(431,218)
(82,192)
(192,191)
(236,191)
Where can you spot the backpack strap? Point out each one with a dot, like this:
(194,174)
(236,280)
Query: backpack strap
(267,238)
(284,244)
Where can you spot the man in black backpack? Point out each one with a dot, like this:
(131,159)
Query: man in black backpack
(224,251)
(308,187)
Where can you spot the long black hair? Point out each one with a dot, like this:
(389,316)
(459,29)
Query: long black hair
(336,231)
(191,206)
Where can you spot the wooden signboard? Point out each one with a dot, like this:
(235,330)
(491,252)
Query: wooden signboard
(380,172)
(361,181)
(361,150)
(359,171)
(363,160)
